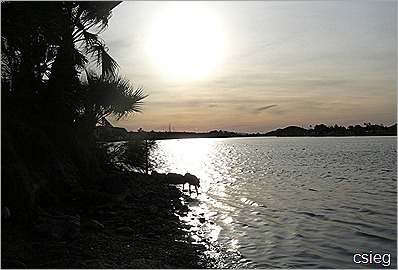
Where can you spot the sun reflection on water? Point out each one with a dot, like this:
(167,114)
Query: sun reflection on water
(184,155)
(195,156)
(228,220)
(210,215)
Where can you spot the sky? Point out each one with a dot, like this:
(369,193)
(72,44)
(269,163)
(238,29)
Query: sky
(257,66)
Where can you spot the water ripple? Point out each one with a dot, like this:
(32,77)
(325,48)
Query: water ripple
(269,203)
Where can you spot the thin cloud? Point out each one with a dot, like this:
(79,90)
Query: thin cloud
(258,110)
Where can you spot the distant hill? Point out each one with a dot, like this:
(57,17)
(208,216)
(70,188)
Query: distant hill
(290,131)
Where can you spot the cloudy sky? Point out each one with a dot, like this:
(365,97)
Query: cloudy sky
(257,66)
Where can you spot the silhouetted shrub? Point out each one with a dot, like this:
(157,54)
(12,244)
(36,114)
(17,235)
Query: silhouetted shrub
(77,145)
(43,162)
(131,155)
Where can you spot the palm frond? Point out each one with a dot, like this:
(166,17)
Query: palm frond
(110,95)
(108,64)
(130,100)
(89,38)
(97,13)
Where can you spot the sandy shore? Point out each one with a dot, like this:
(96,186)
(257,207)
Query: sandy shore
(136,228)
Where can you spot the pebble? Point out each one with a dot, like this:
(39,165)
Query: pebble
(183,209)
(152,209)
(58,231)
(126,229)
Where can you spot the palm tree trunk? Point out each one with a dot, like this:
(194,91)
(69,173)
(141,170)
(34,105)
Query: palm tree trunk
(63,78)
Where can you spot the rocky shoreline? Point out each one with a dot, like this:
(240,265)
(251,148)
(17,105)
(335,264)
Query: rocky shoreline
(130,221)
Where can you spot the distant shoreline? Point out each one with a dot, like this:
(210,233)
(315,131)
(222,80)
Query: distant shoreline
(177,135)
(117,133)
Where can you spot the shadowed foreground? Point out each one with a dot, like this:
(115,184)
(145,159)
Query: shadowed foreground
(136,228)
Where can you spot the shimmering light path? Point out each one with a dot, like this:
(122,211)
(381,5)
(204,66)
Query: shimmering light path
(291,202)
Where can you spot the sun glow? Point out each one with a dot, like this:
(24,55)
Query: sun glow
(187,41)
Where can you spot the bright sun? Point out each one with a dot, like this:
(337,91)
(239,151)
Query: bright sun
(187,41)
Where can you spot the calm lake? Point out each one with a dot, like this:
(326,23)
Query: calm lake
(291,202)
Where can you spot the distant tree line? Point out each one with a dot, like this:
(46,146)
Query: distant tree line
(368,129)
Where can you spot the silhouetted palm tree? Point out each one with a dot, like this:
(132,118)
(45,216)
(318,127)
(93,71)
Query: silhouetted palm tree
(109,96)
(55,41)
(82,23)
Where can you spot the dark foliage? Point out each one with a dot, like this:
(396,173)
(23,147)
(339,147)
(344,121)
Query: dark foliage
(131,155)
(49,148)
(45,45)
(108,95)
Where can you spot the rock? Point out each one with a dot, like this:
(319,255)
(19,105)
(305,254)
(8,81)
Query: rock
(42,228)
(153,209)
(137,193)
(58,231)
(113,184)
(93,224)
(129,198)
(58,226)
(202,220)
(94,200)
(182,208)
(119,198)
(177,204)
(74,234)
(186,226)
(111,214)
(5,212)
(126,229)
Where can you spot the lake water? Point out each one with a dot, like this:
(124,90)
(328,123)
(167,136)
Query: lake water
(291,202)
